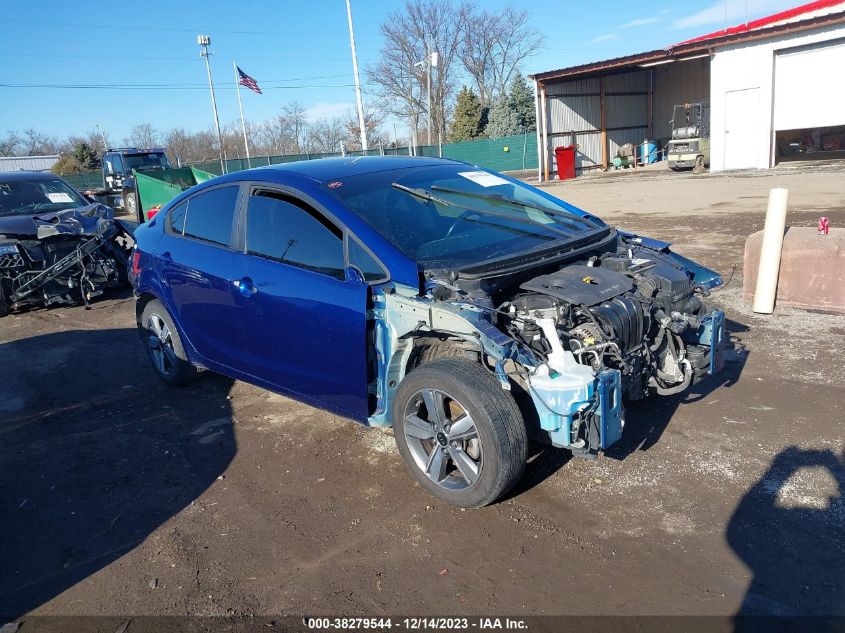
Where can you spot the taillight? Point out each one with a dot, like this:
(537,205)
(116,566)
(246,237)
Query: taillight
(136,260)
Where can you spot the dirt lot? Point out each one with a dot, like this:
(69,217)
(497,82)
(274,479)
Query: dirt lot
(120,496)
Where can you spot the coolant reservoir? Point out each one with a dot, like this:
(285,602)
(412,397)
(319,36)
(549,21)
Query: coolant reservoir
(561,387)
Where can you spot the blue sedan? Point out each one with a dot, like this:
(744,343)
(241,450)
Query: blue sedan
(460,306)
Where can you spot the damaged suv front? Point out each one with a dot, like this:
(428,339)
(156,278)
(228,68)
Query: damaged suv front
(554,303)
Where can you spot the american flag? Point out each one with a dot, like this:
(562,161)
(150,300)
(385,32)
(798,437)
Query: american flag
(246,80)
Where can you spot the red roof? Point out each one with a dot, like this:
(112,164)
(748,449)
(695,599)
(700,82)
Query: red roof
(767,21)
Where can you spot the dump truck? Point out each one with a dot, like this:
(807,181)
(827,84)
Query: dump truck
(139,180)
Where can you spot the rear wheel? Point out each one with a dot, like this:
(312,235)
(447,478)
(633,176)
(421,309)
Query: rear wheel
(698,168)
(461,436)
(164,347)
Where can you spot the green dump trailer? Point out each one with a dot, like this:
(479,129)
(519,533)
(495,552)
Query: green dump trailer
(156,188)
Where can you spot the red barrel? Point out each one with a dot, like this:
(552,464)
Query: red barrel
(565,159)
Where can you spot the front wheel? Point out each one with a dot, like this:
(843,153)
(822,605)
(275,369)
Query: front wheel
(131,207)
(461,436)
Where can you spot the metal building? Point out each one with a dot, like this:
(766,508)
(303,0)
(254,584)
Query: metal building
(27,163)
(773,86)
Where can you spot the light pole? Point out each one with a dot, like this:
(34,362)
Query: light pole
(204,41)
(358,98)
(431,60)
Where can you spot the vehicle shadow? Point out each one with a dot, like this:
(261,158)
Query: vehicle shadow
(792,541)
(95,455)
(645,420)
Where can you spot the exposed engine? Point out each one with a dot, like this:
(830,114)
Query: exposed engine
(73,256)
(629,311)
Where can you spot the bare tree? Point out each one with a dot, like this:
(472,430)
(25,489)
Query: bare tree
(477,45)
(326,135)
(33,143)
(178,144)
(495,45)
(373,120)
(294,116)
(421,26)
(10,144)
(143,135)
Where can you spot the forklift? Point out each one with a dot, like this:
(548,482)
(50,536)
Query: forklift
(690,144)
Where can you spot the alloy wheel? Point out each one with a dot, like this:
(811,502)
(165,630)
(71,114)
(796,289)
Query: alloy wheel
(443,439)
(160,345)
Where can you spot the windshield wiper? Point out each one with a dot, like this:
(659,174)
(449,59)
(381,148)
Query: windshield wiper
(421,193)
(570,217)
(426,195)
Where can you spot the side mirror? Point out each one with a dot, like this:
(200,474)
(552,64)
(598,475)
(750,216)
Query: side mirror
(354,275)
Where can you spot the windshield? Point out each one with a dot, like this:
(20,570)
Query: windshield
(145,161)
(28,197)
(454,215)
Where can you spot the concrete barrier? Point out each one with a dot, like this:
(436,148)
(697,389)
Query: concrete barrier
(812,269)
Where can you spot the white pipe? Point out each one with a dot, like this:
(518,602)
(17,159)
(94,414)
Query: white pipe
(770,250)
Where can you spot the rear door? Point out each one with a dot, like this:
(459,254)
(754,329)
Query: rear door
(196,257)
(304,315)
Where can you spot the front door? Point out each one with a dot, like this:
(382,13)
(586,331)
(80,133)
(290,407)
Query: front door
(742,141)
(304,321)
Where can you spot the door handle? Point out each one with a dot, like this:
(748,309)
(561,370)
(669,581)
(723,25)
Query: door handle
(245,286)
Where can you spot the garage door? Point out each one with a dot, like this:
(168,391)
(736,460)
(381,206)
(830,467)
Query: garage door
(809,91)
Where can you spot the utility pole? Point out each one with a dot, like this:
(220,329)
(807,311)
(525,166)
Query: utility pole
(204,41)
(358,98)
(428,80)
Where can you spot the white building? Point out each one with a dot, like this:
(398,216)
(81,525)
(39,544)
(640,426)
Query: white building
(775,88)
(27,163)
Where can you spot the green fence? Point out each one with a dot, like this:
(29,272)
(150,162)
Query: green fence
(88,180)
(509,153)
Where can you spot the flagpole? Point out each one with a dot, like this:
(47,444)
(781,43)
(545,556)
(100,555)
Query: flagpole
(241,107)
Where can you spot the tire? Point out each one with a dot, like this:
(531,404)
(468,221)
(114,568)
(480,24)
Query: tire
(698,168)
(131,207)
(471,466)
(164,347)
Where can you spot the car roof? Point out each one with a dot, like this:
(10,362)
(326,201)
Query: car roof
(325,169)
(31,176)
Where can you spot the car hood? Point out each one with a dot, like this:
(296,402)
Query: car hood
(18,226)
(84,220)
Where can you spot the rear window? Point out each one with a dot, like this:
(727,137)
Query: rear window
(209,215)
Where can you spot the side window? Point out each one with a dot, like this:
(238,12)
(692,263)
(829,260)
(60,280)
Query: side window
(363,261)
(279,229)
(177,218)
(209,215)
(108,162)
(117,163)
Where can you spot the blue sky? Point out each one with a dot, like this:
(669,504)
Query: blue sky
(297,50)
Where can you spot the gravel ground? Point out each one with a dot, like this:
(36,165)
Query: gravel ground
(121,496)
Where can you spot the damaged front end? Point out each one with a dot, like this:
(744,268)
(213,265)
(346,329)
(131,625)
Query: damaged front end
(617,321)
(65,257)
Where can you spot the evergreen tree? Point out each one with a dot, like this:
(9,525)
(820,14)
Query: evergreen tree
(469,118)
(502,120)
(85,156)
(522,103)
